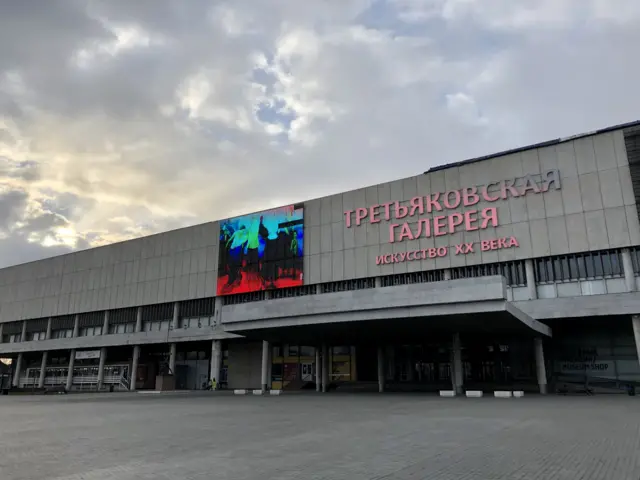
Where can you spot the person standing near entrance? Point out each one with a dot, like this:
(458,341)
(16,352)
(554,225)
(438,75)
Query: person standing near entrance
(214,384)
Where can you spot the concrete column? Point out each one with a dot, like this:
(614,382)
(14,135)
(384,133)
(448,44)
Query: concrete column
(380,370)
(76,326)
(23,334)
(378,282)
(458,379)
(264,383)
(629,274)
(176,316)
(325,368)
(216,357)
(139,320)
(43,368)
(540,368)
(531,279)
(103,359)
(49,322)
(217,310)
(105,323)
(17,370)
(447,274)
(635,321)
(318,369)
(72,361)
(318,289)
(134,368)
(173,350)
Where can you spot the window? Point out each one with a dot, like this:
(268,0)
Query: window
(307,351)
(291,350)
(14,338)
(63,333)
(90,331)
(35,336)
(197,322)
(122,328)
(581,266)
(157,326)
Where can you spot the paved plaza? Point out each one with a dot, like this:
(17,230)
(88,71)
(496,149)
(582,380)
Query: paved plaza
(309,436)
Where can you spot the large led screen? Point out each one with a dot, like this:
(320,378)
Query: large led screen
(261,251)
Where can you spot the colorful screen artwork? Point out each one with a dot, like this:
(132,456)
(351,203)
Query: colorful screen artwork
(261,251)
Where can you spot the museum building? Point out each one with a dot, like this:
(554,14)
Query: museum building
(518,270)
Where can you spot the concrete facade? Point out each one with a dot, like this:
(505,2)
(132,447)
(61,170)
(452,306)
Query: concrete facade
(563,200)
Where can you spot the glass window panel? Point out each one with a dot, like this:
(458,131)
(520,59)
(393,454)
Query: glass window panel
(557,269)
(591,266)
(292,351)
(597,261)
(607,268)
(306,351)
(616,263)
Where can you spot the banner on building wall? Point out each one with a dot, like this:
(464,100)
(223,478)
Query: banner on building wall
(87,354)
(261,251)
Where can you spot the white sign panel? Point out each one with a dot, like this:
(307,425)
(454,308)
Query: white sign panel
(86,354)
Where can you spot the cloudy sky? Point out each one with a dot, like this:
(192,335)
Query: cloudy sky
(120,118)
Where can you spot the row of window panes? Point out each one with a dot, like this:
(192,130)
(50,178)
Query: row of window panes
(122,328)
(348,285)
(514,272)
(63,333)
(243,298)
(293,292)
(34,336)
(197,322)
(410,278)
(90,331)
(305,351)
(11,338)
(578,267)
(156,326)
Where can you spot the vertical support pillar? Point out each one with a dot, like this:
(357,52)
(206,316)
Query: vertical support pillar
(635,321)
(103,359)
(265,366)
(1,331)
(176,316)
(134,368)
(105,323)
(49,326)
(457,364)
(17,371)
(76,326)
(380,370)
(325,368)
(43,369)
(217,311)
(216,355)
(378,282)
(72,360)
(629,274)
(531,279)
(23,334)
(540,368)
(447,274)
(139,320)
(318,370)
(173,350)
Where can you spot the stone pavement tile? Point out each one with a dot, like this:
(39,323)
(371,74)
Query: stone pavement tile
(333,436)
